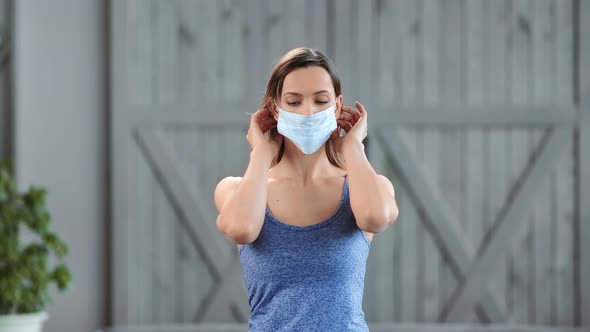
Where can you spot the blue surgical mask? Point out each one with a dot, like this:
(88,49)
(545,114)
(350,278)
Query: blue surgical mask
(307,132)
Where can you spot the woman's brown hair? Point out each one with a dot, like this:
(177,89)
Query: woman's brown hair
(299,58)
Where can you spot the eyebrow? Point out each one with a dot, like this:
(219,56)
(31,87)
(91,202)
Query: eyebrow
(298,94)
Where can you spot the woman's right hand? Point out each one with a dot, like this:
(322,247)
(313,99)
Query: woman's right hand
(260,123)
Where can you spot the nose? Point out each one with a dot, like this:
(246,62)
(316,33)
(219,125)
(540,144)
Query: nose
(308,108)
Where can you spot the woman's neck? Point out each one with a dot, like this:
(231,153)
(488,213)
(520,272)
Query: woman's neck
(303,167)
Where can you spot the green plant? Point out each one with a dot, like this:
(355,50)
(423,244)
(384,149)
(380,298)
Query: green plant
(24,272)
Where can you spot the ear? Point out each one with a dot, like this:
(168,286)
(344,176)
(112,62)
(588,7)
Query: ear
(273,110)
(339,103)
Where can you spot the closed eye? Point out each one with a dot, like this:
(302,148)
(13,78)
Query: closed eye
(295,103)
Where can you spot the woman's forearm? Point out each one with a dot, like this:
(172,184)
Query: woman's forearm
(372,197)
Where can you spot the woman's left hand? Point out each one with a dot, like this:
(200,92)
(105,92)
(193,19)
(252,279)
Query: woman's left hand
(354,123)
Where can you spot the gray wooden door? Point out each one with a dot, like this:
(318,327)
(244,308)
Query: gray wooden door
(473,114)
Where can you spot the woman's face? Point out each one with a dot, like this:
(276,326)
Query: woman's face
(307,91)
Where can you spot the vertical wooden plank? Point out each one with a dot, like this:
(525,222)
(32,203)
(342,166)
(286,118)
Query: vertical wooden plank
(380,305)
(431,260)
(387,32)
(189,89)
(166,46)
(564,90)
(192,273)
(407,12)
(146,87)
(193,278)
(316,25)
(584,157)
(474,137)
(384,290)
(146,58)
(132,46)
(209,37)
(543,44)
(375,34)
(379,285)
(231,51)
(176,250)
(496,167)
(384,82)
(342,57)
(121,164)
(275,37)
(143,250)
(136,183)
(6,77)
(405,201)
(416,29)
(165,240)
(256,70)
(451,91)
(398,253)
(363,52)
(517,152)
(294,31)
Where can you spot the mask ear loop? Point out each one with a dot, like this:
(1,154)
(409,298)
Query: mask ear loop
(273,131)
(339,128)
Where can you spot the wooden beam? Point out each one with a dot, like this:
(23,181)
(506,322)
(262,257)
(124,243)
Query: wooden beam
(583,234)
(188,207)
(118,228)
(584,166)
(200,228)
(531,116)
(209,116)
(510,229)
(442,222)
(219,309)
(232,115)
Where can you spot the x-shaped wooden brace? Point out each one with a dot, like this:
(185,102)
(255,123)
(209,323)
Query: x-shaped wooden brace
(445,229)
(221,302)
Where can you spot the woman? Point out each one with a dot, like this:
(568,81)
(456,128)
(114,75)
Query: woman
(306,209)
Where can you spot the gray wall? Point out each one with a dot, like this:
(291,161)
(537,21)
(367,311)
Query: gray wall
(60,128)
(5,120)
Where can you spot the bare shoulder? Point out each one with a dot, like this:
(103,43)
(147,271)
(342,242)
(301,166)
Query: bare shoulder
(224,189)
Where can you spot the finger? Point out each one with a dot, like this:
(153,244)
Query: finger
(355,116)
(267,121)
(257,118)
(266,128)
(352,112)
(349,110)
(362,110)
(345,125)
(262,114)
(346,116)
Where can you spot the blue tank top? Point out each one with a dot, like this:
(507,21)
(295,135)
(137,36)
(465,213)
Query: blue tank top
(307,278)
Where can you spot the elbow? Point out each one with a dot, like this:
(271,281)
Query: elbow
(238,234)
(378,222)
